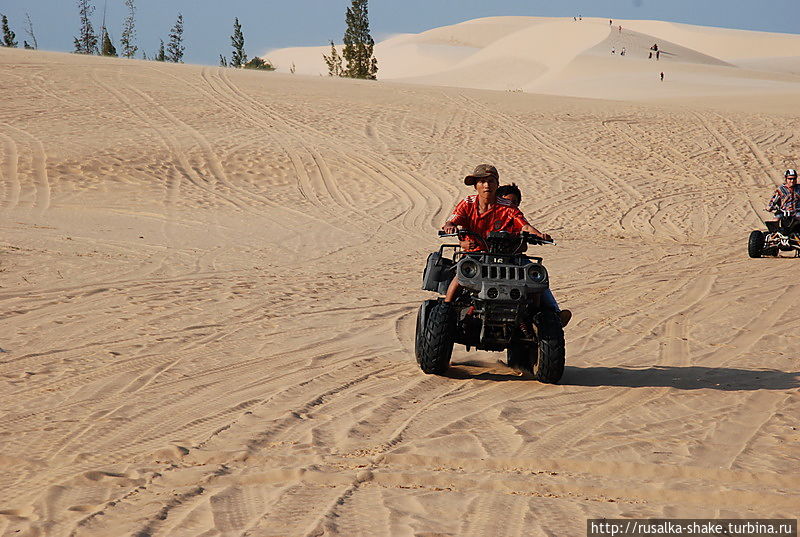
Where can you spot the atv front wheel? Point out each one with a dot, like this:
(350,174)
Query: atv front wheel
(434,340)
(755,244)
(550,366)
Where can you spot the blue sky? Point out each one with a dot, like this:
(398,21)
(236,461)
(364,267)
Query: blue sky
(276,24)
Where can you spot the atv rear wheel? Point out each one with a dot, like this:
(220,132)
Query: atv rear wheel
(550,366)
(434,339)
(755,244)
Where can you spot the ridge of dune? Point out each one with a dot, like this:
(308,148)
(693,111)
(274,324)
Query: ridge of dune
(523,56)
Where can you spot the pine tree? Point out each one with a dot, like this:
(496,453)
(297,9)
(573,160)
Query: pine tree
(107,48)
(239,57)
(175,46)
(222,61)
(29,31)
(127,40)
(334,62)
(160,55)
(9,37)
(86,42)
(358,44)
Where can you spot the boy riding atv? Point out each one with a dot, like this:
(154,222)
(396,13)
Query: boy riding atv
(486,212)
(494,295)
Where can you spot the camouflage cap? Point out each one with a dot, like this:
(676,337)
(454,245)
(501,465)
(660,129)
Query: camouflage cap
(481,170)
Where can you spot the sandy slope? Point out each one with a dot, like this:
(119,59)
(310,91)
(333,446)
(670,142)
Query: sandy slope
(209,280)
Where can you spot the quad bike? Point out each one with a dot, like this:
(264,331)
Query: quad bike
(499,307)
(783,235)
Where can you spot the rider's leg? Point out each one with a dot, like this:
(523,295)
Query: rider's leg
(452,290)
(549,302)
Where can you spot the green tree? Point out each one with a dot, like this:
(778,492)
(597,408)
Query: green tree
(86,42)
(9,38)
(222,61)
(175,46)
(127,40)
(239,57)
(334,62)
(107,48)
(358,44)
(161,55)
(259,63)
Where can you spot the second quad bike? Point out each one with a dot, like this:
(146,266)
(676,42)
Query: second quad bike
(499,307)
(782,235)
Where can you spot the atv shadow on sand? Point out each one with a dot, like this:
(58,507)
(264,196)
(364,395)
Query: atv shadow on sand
(683,378)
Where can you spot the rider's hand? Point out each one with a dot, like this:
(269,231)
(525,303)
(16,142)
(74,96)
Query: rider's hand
(545,237)
(469,244)
(449,228)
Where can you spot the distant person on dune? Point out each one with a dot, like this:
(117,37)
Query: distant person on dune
(787,196)
(662,76)
(658,53)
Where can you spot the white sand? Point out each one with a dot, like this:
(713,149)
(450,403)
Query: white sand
(209,280)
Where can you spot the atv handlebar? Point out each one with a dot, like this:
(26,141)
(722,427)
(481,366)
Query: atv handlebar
(525,236)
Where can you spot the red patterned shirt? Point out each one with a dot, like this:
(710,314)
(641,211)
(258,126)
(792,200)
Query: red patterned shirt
(501,216)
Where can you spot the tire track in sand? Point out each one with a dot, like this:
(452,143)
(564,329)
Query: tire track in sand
(756,151)
(673,352)
(9,173)
(700,222)
(736,163)
(423,197)
(567,155)
(313,185)
(41,183)
(317,186)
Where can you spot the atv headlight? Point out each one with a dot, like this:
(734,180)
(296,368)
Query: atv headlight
(469,269)
(536,273)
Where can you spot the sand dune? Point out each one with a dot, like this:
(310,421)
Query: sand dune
(209,280)
(548,55)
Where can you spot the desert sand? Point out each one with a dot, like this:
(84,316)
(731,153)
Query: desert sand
(209,280)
